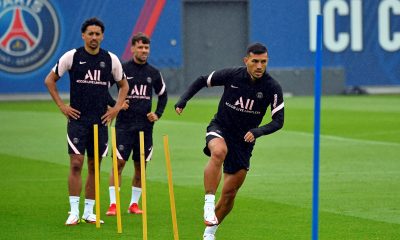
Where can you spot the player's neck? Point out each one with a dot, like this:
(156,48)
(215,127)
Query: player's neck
(135,60)
(92,51)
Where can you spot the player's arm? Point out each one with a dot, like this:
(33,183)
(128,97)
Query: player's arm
(161,91)
(111,102)
(59,69)
(216,78)
(113,111)
(123,88)
(278,117)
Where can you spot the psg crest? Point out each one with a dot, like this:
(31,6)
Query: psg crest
(29,33)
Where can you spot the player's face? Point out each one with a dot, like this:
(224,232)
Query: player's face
(256,64)
(92,37)
(140,52)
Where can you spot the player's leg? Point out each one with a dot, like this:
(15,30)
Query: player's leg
(124,140)
(213,169)
(76,151)
(74,187)
(212,176)
(232,183)
(136,180)
(112,209)
(88,215)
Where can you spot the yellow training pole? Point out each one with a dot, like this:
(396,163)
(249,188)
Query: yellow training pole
(143,180)
(96,172)
(171,188)
(116,179)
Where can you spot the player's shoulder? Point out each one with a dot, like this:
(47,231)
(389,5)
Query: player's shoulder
(234,70)
(271,82)
(112,55)
(69,54)
(152,68)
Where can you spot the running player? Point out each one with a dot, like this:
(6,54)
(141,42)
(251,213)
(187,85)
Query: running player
(231,134)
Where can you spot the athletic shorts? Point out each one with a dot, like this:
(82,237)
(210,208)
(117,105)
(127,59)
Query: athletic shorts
(239,154)
(128,141)
(80,138)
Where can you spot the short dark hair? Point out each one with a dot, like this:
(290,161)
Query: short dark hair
(257,48)
(90,22)
(140,37)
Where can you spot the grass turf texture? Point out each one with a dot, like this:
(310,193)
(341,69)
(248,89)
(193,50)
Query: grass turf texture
(359,177)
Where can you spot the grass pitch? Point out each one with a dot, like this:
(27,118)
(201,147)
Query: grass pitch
(359,175)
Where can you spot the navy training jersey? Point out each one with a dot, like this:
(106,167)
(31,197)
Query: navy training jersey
(142,79)
(89,80)
(244,102)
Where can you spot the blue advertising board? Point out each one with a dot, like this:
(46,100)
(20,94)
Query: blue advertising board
(360,36)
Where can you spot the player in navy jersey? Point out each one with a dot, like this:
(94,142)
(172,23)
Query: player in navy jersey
(143,78)
(90,69)
(231,134)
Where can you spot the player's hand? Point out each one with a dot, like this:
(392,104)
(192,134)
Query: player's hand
(70,112)
(125,105)
(178,110)
(152,117)
(249,137)
(179,106)
(109,115)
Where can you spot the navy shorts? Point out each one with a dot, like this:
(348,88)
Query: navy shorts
(80,138)
(128,141)
(239,153)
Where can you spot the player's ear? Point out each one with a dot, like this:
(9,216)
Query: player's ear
(245,60)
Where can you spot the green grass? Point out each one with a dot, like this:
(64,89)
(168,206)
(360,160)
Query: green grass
(359,175)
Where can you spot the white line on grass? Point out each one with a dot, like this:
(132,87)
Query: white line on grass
(331,137)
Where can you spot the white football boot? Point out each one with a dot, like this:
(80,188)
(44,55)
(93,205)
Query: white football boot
(90,218)
(72,220)
(209,216)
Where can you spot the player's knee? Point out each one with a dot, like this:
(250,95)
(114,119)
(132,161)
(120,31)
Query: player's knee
(219,154)
(76,167)
(121,165)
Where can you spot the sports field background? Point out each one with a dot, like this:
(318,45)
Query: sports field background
(359,178)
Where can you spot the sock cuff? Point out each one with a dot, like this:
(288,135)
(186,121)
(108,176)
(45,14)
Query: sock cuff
(89,201)
(136,189)
(209,198)
(74,198)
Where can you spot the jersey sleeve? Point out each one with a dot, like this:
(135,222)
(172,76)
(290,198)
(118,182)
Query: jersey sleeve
(64,64)
(219,78)
(159,85)
(277,103)
(117,71)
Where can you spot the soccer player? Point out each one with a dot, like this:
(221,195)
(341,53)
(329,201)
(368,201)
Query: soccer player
(142,78)
(90,70)
(232,133)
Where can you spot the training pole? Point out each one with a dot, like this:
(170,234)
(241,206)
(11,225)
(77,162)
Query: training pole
(171,188)
(96,172)
(116,179)
(317,117)
(143,180)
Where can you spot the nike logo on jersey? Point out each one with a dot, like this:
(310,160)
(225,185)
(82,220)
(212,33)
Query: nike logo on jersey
(233,86)
(80,62)
(129,78)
